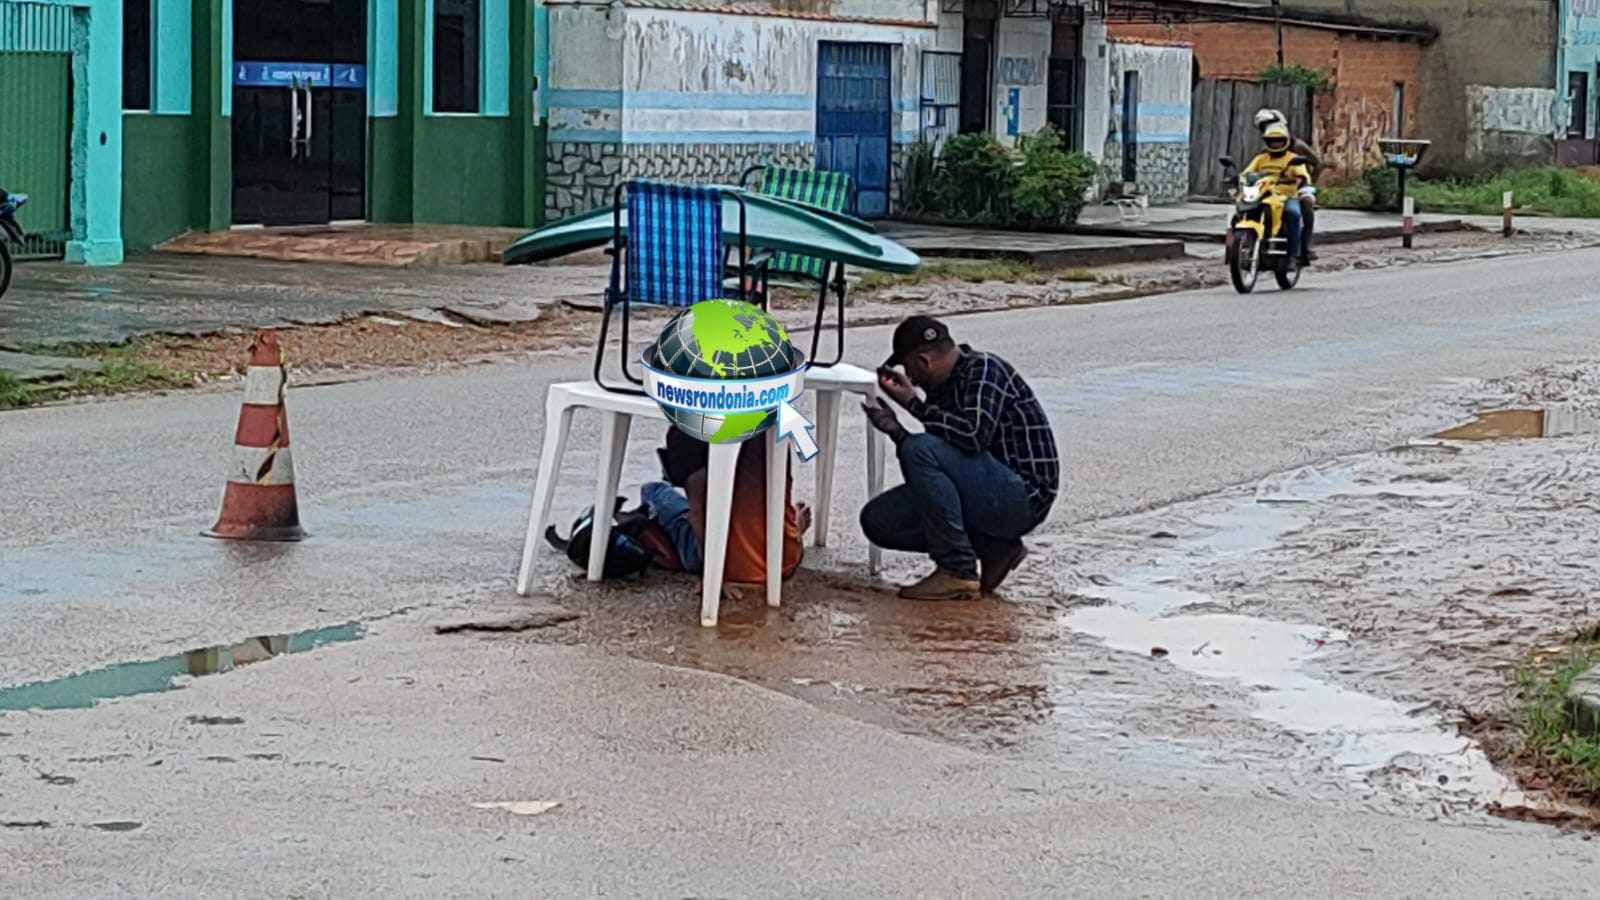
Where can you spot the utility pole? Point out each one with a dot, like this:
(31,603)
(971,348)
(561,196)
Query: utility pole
(1277,27)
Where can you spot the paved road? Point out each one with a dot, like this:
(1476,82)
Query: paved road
(675,783)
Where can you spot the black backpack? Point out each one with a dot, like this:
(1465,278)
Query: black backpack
(627,554)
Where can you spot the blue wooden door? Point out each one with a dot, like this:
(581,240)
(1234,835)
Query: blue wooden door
(855,118)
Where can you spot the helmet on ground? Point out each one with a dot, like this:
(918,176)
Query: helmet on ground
(1276,136)
(1267,117)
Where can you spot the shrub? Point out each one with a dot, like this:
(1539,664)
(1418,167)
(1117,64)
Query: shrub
(1296,74)
(977,180)
(1383,188)
(973,179)
(1052,182)
(918,178)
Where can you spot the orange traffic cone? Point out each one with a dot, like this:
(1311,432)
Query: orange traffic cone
(258,503)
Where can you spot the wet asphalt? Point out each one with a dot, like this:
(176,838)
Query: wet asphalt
(676,783)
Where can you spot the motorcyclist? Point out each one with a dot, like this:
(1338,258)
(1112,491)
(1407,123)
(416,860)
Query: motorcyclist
(1290,179)
(1308,196)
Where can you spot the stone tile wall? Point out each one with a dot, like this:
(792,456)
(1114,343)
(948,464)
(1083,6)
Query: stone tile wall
(1163,170)
(584,176)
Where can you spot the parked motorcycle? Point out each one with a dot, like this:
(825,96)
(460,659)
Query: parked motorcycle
(10,233)
(1256,239)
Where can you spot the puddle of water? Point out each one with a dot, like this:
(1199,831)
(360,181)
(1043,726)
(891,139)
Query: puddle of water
(1144,612)
(1357,732)
(84,690)
(1557,420)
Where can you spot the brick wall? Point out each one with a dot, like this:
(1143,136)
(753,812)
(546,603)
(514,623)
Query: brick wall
(1351,118)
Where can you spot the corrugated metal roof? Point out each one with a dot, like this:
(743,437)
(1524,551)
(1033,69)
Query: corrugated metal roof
(767,8)
(1256,11)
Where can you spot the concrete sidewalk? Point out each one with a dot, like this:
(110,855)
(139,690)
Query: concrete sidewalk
(1206,222)
(1043,250)
(56,304)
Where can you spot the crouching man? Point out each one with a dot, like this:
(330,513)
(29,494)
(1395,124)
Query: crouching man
(983,473)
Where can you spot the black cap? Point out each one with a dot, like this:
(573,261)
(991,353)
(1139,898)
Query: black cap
(913,334)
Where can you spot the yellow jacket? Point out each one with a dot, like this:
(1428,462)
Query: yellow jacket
(1288,178)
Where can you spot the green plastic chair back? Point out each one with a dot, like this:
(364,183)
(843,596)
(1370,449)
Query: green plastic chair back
(826,190)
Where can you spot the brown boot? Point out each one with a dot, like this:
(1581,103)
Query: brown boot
(995,570)
(941,585)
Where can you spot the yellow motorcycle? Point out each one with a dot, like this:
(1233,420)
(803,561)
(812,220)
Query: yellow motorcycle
(1255,232)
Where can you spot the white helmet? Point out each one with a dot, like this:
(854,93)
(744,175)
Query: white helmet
(1267,117)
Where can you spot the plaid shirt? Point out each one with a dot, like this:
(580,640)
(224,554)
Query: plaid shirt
(985,406)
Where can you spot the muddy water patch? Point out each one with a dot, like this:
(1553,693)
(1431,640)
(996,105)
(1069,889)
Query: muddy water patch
(1173,609)
(86,689)
(1525,423)
(994,676)
(1359,734)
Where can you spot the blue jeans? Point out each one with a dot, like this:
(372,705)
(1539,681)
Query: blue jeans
(1292,218)
(669,507)
(954,506)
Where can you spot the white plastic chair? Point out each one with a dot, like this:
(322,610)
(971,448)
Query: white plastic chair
(566,398)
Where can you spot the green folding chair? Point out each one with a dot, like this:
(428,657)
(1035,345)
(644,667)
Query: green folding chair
(830,191)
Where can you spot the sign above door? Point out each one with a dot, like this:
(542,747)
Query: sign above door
(299,74)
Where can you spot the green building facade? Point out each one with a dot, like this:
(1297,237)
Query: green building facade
(308,112)
(61,125)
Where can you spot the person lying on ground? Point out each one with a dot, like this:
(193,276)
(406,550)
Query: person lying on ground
(983,473)
(678,504)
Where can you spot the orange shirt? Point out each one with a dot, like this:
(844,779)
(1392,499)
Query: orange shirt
(747,525)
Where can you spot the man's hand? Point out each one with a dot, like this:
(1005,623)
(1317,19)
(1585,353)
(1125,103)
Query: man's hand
(897,386)
(883,418)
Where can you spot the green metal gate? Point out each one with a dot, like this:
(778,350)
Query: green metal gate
(36,120)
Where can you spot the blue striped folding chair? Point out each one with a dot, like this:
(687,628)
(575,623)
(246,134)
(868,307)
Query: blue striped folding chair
(831,191)
(672,255)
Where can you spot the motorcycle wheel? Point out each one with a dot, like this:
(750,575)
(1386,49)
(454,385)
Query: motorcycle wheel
(1244,261)
(5,267)
(1287,273)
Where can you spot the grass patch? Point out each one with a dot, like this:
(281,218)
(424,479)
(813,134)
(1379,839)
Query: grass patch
(121,371)
(14,393)
(973,271)
(976,271)
(1550,739)
(1551,191)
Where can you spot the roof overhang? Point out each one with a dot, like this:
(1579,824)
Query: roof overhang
(1180,12)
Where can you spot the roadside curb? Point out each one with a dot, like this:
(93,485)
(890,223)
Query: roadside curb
(1343,236)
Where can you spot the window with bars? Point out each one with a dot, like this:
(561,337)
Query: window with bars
(1064,84)
(941,95)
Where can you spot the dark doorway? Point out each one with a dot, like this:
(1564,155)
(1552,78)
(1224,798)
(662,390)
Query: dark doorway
(1130,127)
(299,111)
(977,61)
(1064,87)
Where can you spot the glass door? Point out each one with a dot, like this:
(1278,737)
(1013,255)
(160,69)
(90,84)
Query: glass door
(299,111)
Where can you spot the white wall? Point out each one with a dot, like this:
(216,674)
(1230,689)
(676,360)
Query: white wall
(585,68)
(1165,89)
(750,73)
(1096,89)
(1022,63)
(1515,125)
(644,75)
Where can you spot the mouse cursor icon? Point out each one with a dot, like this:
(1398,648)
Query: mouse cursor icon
(797,428)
